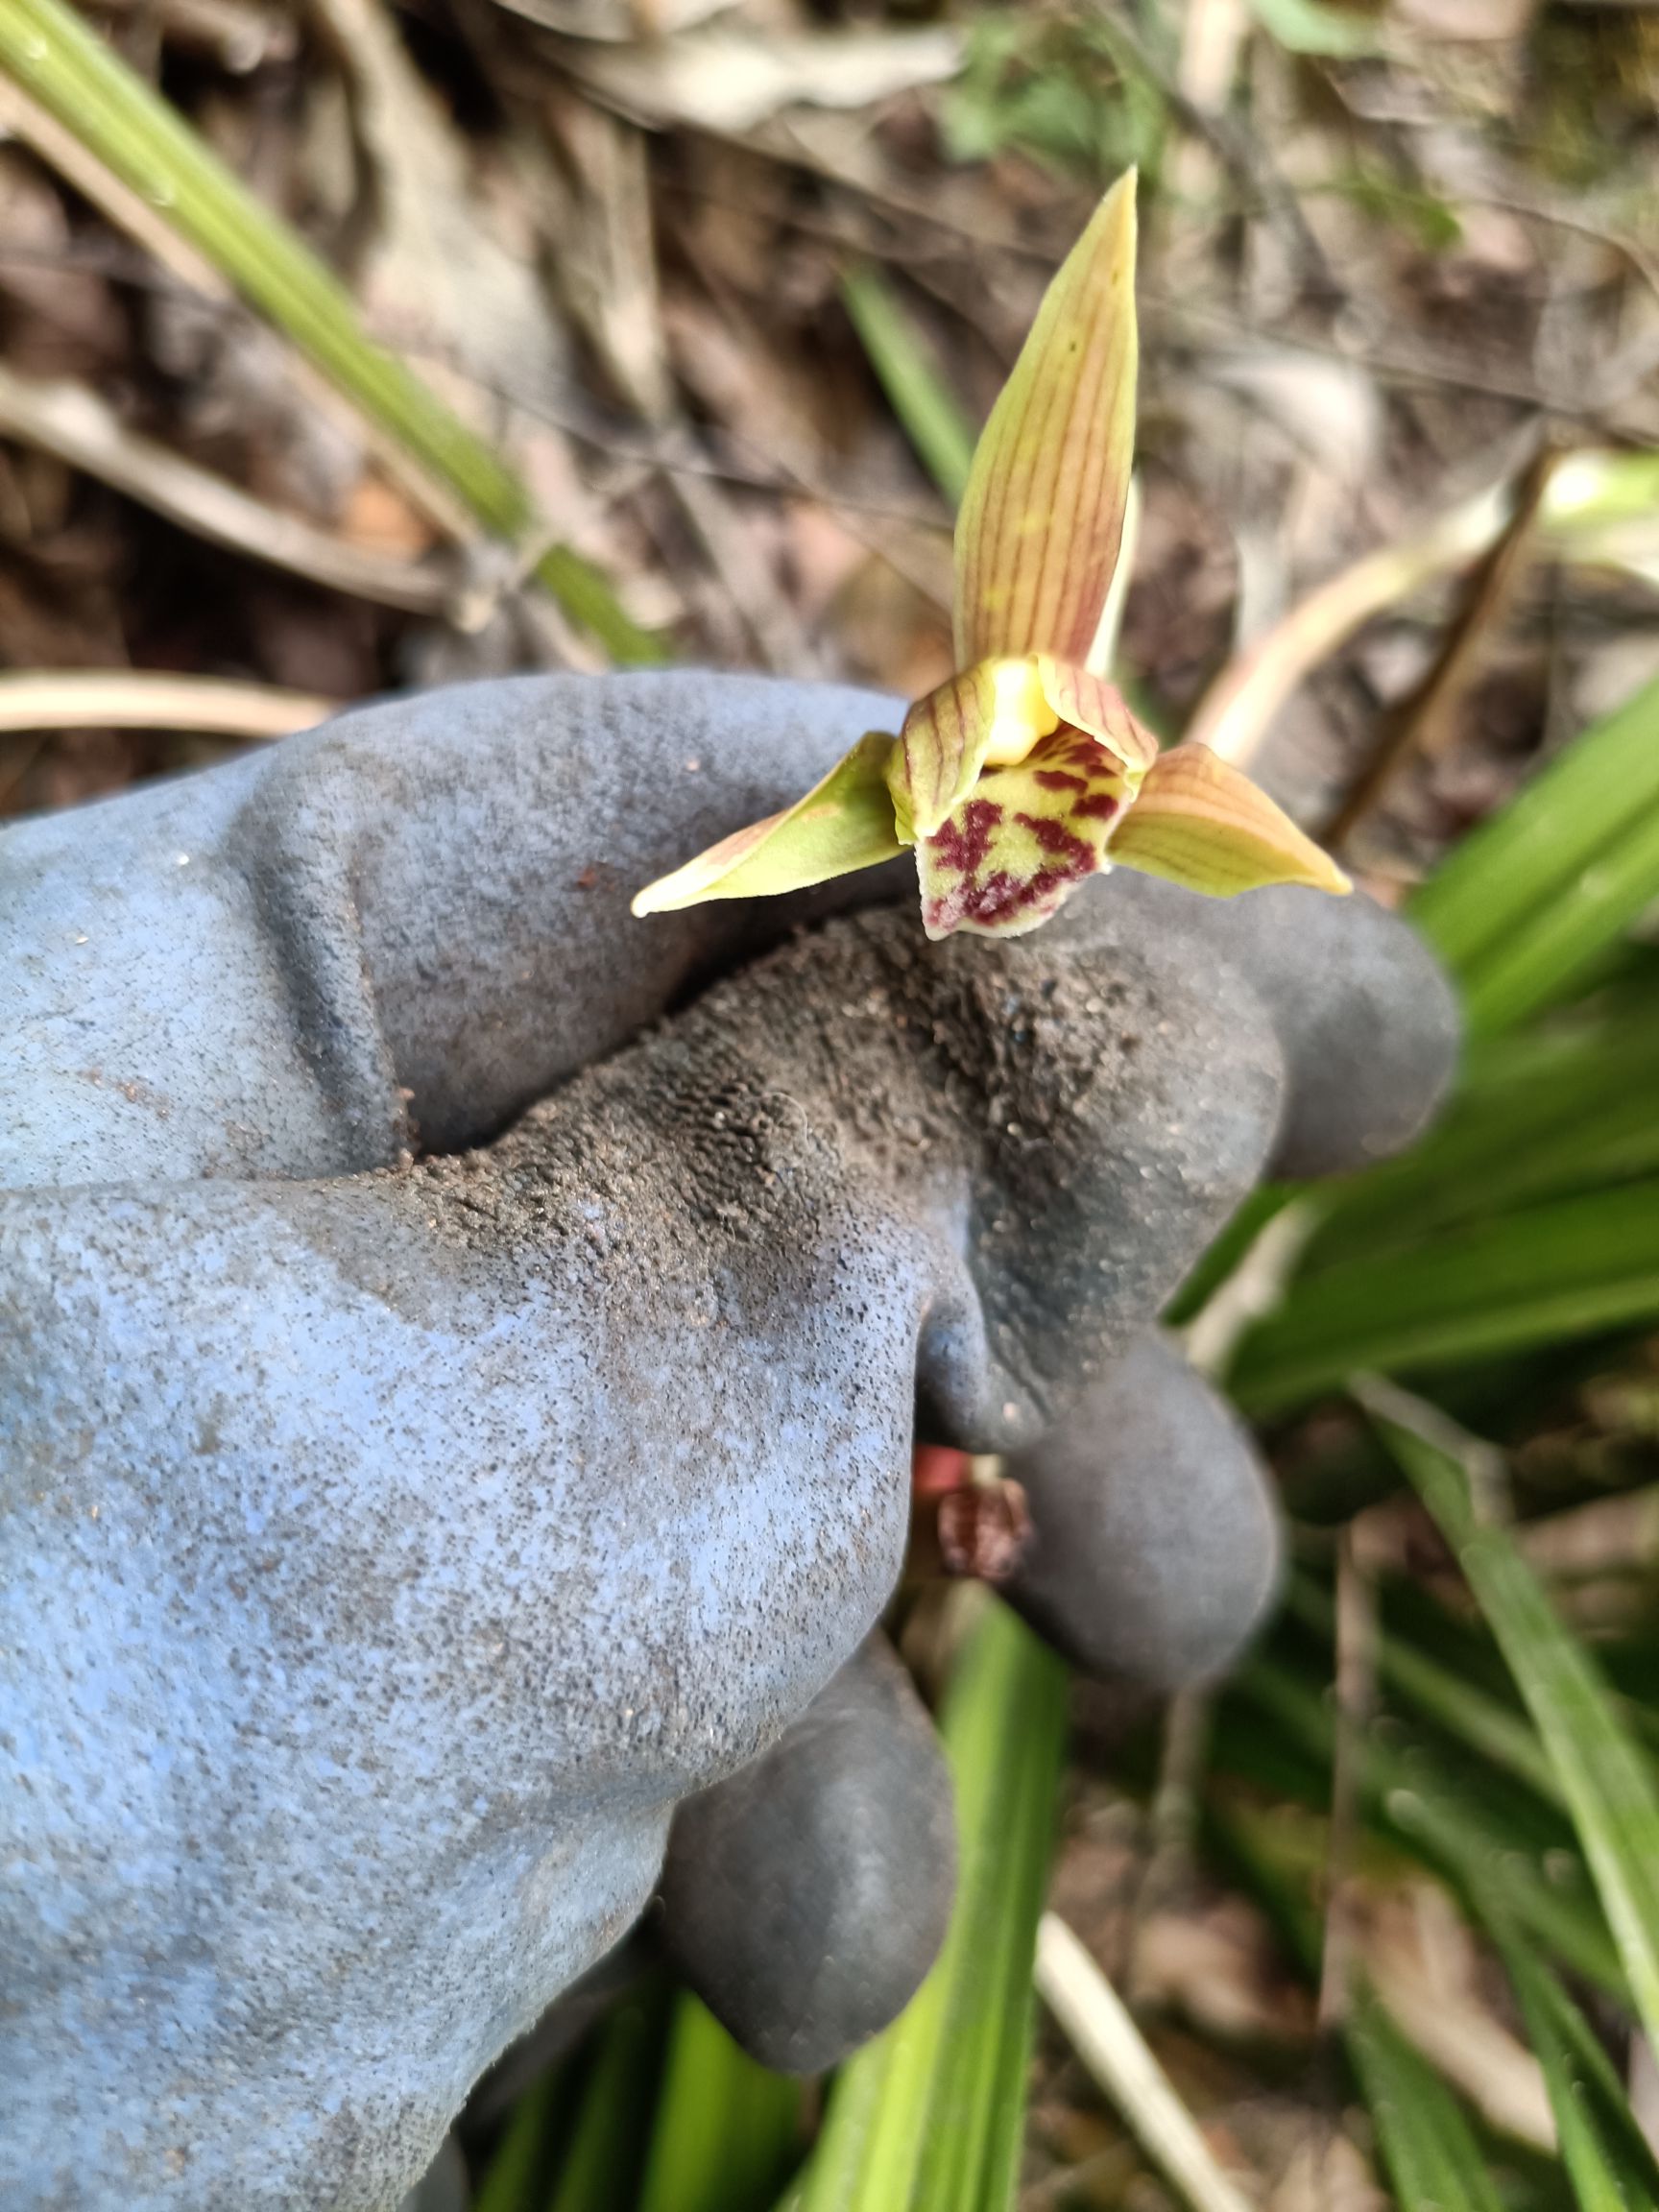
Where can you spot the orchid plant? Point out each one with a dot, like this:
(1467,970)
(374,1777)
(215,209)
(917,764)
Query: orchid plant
(1025,772)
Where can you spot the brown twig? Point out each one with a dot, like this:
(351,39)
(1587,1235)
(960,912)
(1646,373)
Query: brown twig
(23,118)
(1246,162)
(145,699)
(71,422)
(1172,1821)
(1355,1701)
(1424,723)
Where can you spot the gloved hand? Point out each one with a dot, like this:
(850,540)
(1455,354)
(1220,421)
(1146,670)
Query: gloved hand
(391,1545)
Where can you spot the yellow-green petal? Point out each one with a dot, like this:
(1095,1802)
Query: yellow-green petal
(1038,533)
(1200,823)
(844,823)
(1011,853)
(1088,702)
(992,713)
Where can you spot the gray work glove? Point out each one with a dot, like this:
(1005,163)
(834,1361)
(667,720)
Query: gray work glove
(391,1543)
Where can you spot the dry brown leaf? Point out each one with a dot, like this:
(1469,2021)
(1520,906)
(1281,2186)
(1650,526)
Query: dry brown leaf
(437,280)
(1216,1969)
(1481,22)
(618,20)
(606,266)
(377,517)
(725,80)
(1424,1964)
(1327,2173)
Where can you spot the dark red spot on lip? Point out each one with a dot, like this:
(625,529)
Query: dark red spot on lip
(962,847)
(1058,842)
(989,902)
(998,899)
(963,839)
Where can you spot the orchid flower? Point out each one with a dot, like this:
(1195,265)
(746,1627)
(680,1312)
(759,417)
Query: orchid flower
(1025,772)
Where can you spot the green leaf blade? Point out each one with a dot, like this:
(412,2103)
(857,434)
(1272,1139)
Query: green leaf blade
(1610,2164)
(1429,2148)
(929,2114)
(1526,860)
(1543,1274)
(726,2130)
(1607,1781)
(928,412)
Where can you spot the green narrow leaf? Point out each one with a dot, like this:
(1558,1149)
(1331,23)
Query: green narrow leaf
(1607,1781)
(601,2168)
(1429,2148)
(134,133)
(1224,1256)
(929,413)
(1566,938)
(1610,2162)
(1570,1268)
(976,2113)
(935,2104)
(1410,1799)
(1479,1721)
(1542,1117)
(727,2128)
(1284,1867)
(1533,858)
(515,2180)
(1309,27)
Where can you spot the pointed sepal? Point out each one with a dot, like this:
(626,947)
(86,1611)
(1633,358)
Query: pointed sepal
(1038,533)
(1011,853)
(844,823)
(1198,822)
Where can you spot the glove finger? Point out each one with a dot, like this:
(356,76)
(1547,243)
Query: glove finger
(806,1897)
(399,929)
(1155,1549)
(553,1479)
(1367,1020)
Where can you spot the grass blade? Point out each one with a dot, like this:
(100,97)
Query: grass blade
(726,2130)
(515,2180)
(1478,1721)
(1409,1799)
(1542,1276)
(1524,886)
(928,2117)
(1006,1757)
(1424,2134)
(1570,934)
(928,411)
(1608,1782)
(149,146)
(1609,2160)
(1538,1117)
(600,2171)
(1429,2148)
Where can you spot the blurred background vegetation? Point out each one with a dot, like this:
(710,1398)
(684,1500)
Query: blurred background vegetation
(347,344)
